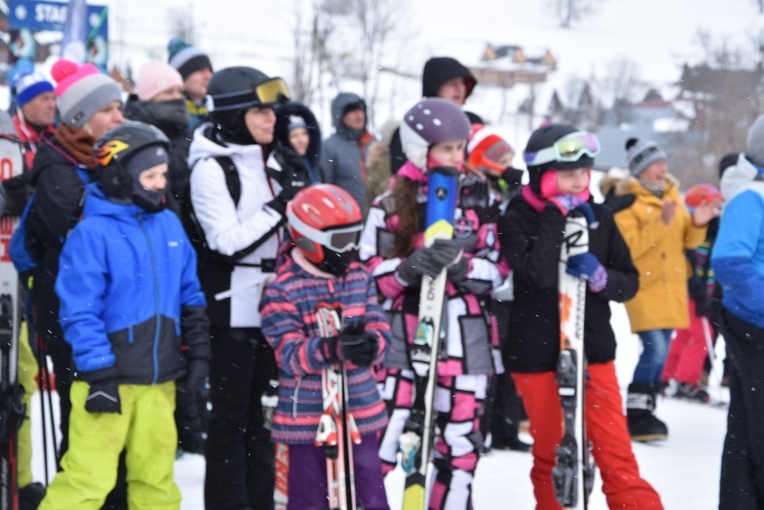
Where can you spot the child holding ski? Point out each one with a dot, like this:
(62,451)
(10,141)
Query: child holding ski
(133,311)
(559,159)
(319,275)
(433,134)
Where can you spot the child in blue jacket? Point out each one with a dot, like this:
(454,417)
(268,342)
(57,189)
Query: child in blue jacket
(133,311)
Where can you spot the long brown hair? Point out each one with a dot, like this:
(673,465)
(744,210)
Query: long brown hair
(404,193)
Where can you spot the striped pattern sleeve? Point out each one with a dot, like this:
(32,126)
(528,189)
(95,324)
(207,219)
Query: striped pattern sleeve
(376,322)
(296,353)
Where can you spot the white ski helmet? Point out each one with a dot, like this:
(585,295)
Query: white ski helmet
(428,122)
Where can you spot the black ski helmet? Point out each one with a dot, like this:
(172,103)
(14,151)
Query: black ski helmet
(545,137)
(112,154)
(428,122)
(234,90)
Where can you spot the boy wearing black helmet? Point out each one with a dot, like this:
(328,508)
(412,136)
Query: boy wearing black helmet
(559,159)
(240,204)
(133,311)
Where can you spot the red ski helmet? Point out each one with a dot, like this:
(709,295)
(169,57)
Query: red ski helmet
(700,194)
(324,218)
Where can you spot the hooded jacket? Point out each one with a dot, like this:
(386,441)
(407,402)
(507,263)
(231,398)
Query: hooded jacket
(343,154)
(658,251)
(283,113)
(243,237)
(738,254)
(129,293)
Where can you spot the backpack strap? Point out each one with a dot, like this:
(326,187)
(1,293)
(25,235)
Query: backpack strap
(232,181)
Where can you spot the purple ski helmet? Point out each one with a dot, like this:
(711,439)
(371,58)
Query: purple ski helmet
(428,122)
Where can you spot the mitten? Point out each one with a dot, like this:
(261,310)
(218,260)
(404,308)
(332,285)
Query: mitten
(569,203)
(419,263)
(449,253)
(193,381)
(104,391)
(586,266)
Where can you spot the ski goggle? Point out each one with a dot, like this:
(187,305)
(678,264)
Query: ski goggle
(569,148)
(337,239)
(266,94)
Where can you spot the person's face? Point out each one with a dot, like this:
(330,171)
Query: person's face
(168,94)
(154,178)
(195,85)
(450,153)
(104,119)
(572,182)
(299,140)
(454,90)
(656,172)
(355,119)
(506,160)
(41,110)
(260,122)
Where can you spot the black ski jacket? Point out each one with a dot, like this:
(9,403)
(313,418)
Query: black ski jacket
(530,243)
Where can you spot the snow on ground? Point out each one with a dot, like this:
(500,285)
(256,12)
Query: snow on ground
(684,470)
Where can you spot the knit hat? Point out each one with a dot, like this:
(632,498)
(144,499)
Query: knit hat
(156,77)
(643,153)
(187,59)
(486,149)
(82,90)
(295,121)
(755,145)
(29,85)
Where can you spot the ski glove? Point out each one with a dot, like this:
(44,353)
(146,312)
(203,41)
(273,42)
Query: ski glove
(293,177)
(449,252)
(586,266)
(569,203)
(198,370)
(104,391)
(419,263)
(352,344)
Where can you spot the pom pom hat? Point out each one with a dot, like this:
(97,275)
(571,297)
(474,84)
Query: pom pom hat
(82,90)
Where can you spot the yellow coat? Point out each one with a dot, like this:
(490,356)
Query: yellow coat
(658,251)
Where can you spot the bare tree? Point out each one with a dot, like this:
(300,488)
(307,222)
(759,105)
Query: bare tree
(728,89)
(620,86)
(181,24)
(312,28)
(570,11)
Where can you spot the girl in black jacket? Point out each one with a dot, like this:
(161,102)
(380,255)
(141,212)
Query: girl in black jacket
(559,158)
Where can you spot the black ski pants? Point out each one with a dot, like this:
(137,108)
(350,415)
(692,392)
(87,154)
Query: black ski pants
(742,476)
(239,452)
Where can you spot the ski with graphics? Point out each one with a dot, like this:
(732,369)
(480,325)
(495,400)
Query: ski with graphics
(418,437)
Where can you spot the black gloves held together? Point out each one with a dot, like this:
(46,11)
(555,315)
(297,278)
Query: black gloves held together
(352,344)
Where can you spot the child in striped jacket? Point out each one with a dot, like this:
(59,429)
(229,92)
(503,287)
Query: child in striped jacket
(320,270)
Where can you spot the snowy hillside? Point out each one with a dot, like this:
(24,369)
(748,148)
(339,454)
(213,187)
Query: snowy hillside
(657,35)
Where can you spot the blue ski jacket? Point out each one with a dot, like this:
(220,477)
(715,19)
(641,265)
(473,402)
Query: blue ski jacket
(129,293)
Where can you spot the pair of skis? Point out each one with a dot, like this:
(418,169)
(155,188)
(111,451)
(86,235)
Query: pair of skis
(11,408)
(337,429)
(574,473)
(418,436)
